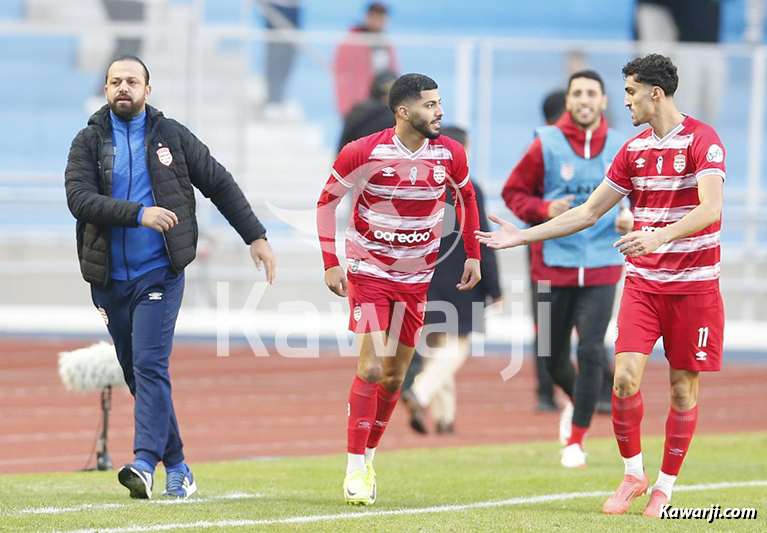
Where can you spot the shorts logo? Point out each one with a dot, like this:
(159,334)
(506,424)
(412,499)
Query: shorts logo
(104,315)
(659,165)
(617,332)
(715,154)
(413,175)
(164,155)
(355,266)
(567,172)
(357,313)
(155,296)
(403,238)
(439,174)
(680,161)
(388,172)
(701,355)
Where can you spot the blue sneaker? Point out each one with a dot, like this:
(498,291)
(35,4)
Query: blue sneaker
(138,481)
(179,484)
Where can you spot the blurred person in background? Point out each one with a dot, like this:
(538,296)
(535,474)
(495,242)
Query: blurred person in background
(434,386)
(130,182)
(361,56)
(674,173)
(660,24)
(280,55)
(576,275)
(371,115)
(399,178)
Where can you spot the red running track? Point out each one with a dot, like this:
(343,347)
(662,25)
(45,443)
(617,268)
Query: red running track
(245,406)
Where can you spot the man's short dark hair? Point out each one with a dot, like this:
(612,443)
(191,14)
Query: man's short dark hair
(456,133)
(407,88)
(588,74)
(377,7)
(655,70)
(554,105)
(127,57)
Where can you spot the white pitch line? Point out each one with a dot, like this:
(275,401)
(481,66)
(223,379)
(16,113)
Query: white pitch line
(401,512)
(93,507)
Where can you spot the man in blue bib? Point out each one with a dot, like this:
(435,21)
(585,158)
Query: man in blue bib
(576,274)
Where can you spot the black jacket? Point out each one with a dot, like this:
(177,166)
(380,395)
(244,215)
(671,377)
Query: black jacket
(449,270)
(88,182)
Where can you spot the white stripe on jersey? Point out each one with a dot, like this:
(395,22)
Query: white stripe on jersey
(367,267)
(665,275)
(392,192)
(708,171)
(391,250)
(400,222)
(390,151)
(616,187)
(690,244)
(463,183)
(664,183)
(337,176)
(677,142)
(661,214)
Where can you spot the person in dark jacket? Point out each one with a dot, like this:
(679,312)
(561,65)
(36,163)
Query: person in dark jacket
(430,382)
(373,114)
(130,181)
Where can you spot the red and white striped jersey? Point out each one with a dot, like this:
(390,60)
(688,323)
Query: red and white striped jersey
(660,176)
(398,206)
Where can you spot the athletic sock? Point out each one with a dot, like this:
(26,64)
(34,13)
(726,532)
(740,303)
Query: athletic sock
(634,466)
(680,427)
(362,414)
(143,465)
(355,461)
(178,466)
(370,454)
(386,402)
(665,484)
(627,424)
(577,435)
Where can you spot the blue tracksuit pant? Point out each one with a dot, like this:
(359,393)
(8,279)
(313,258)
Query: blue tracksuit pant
(141,316)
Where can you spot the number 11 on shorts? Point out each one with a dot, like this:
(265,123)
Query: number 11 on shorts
(702,337)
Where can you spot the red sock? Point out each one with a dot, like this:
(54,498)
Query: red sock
(627,422)
(577,435)
(386,402)
(680,426)
(362,413)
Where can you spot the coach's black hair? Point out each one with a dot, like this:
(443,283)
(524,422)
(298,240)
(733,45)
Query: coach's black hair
(456,133)
(589,74)
(407,88)
(127,57)
(655,70)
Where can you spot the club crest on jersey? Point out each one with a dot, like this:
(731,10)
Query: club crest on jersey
(439,174)
(413,175)
(639,162)
(388,172)
(680,161)
(659,164)
(567,172)
(164,155)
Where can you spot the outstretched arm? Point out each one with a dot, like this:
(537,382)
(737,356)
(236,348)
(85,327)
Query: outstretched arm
(569,222)
(638,243)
